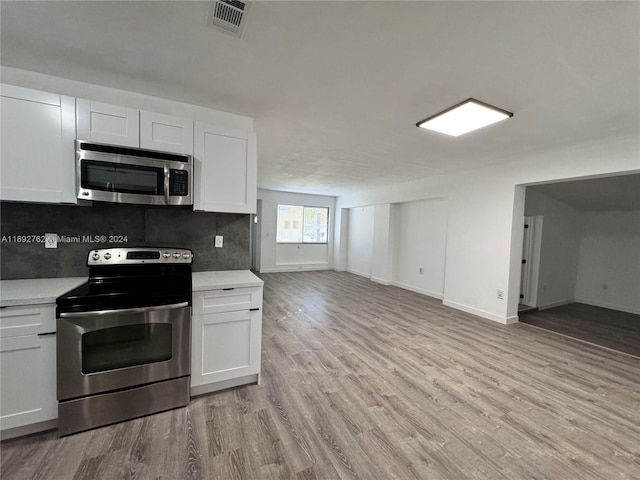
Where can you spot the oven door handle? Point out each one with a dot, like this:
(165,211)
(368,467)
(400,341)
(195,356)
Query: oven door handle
(124,310)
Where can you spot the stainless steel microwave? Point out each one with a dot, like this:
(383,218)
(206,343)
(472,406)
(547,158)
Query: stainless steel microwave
(110,173)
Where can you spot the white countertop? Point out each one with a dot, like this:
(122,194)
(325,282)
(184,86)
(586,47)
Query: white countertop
(37,291)
(224,279)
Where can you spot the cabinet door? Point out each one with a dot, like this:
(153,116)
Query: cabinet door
(166,133)
(226,346)
(38,162)
(28,382)
(225,170)
(103,123)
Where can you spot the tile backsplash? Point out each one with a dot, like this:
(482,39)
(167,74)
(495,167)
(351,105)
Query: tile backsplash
(82,228)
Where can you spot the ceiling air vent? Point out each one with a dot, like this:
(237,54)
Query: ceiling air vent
(230,16)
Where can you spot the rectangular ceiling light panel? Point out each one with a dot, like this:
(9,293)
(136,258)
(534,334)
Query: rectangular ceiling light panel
(464,117)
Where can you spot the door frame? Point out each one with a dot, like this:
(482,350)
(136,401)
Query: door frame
(531,246)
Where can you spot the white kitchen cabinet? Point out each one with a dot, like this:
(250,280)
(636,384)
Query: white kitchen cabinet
(28,369)
(166,133)
(102,123)
(225,169)
(38,130)
(128,127)
(227,330)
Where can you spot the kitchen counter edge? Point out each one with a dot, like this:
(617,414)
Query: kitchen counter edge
(35,291)
(224,279)
(39,291)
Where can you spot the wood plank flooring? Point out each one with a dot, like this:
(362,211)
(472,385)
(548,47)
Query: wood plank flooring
(601,326)
(366,381)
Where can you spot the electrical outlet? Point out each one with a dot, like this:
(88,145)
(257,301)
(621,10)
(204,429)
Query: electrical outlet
(50,240)
(500,294)
(219,241)
(421,271)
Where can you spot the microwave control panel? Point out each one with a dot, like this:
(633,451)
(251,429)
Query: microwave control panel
(178,182)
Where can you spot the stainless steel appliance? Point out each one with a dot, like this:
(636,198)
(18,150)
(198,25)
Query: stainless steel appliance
(123,338)
(110,173)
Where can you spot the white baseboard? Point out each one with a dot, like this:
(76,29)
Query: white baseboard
(421,291)
(608,305)
(29,429)
(381,281)
(480,313)
(356,272)
(556,304)
(295,268)
(514,319)
(223,385)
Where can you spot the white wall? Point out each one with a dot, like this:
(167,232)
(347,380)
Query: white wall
(420,229)
(486,206)
(276,257)
(609,260)
(360,240)
(558,267)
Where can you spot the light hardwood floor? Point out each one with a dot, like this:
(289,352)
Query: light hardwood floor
(368,381)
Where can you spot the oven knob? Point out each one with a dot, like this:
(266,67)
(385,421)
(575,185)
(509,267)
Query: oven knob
(166,255)
(96,256)
(107,256)
(176,255)
(185,256)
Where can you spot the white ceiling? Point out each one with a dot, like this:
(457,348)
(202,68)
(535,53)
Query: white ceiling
(337,87)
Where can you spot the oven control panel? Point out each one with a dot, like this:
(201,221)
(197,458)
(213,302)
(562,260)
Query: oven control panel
(139,256)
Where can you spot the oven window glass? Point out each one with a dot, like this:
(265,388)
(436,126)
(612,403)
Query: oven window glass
(125,346)
(122,178)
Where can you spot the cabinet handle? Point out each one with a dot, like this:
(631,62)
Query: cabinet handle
(254,309)
(226,289)
(124,310)
(45,334)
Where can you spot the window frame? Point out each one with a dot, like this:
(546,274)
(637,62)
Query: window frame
(326,242)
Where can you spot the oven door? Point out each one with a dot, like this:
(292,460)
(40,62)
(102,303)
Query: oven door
(114,349)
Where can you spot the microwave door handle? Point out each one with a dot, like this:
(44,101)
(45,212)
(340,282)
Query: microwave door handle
(124,310)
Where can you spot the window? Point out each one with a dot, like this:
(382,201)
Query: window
(298,224)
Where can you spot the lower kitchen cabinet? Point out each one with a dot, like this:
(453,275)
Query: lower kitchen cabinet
(28,369)
(226,347)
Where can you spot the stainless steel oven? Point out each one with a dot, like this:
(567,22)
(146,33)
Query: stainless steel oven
(123,338)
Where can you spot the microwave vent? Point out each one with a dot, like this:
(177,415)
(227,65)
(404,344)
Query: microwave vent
(230,16)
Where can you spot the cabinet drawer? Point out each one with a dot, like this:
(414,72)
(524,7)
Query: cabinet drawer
(227,300)
(27,320)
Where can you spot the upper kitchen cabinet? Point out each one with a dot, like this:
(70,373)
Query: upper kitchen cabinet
(166,133)
(102,123)
(128,127)
(38,130)
(225,169)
